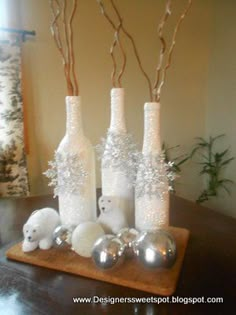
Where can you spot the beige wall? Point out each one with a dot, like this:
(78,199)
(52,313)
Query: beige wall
(184,96)
(221,110)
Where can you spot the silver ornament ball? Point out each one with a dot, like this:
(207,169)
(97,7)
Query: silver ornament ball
(127,236)
(108,252)
(62,235)
(155,249)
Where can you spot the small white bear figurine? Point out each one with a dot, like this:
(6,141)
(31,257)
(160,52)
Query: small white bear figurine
(111,218)
(38,230)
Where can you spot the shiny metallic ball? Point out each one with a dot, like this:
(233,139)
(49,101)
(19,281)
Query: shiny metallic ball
(155,249)
(62,235)
(108,252)
(127,236)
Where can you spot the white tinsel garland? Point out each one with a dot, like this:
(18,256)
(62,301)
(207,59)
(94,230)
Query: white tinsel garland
(118,151)
(66,174)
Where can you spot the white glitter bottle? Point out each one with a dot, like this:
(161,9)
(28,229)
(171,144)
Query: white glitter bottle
(76,171)
(151,191)
(116,181)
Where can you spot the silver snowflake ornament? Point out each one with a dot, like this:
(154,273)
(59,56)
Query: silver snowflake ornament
(153,176)
(66,173)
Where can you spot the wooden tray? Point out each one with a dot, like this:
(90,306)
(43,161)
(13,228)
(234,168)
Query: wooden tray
(130,274)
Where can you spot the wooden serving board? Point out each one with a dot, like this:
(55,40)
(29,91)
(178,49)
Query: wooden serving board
(130,274)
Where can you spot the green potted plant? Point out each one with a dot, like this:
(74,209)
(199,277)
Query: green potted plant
(213,164)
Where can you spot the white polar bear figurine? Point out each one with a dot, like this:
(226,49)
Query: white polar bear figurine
(38,230)
(111,218)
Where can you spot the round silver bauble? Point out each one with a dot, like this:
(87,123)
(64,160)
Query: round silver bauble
(155,249)
(62,235)
(127,236)
(108,252)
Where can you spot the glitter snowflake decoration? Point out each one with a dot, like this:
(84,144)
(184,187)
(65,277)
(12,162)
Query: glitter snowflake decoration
(154,176)
(118,151)
(66,173)
(171,175)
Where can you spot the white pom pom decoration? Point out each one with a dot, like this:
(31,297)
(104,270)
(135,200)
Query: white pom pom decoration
(84,237)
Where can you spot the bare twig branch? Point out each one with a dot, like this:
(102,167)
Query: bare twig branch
(71,48)
(64,21)
(103,11)
(154,92)
(120,46)
(161,25)
(55,29)
(170,52)
(113,73)
(135,50)
(65,47)
(115,42)
(123,54)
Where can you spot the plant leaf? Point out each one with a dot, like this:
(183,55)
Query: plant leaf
(226,189)
(193,152)
(227,161)
(226,181)
(223,153)
(202,140)
(217,137)
(183,161)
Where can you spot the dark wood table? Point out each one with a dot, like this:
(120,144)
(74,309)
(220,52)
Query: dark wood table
(209,269)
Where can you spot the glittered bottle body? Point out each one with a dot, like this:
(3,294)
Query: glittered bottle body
(77,195)
(116,181)
(151,191)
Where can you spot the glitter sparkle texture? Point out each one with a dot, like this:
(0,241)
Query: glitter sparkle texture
(118,151)
(153,176)
(66,174)
(152,192)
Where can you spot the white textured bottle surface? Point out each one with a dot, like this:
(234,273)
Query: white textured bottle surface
(77,206)
(151,205)
(115,181)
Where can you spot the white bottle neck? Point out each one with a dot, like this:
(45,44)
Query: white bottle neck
(117,123)
(74,125)
(152,138)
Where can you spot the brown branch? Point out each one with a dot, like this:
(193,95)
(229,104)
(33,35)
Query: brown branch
(139,62)
(64,21)
(116,40)
(71,48)
(54,28)
(113,73)
(57,38)
(66,49)
(170,52)
(161,25)
(135,51)
(123,54)
(103,11)
(120,46)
